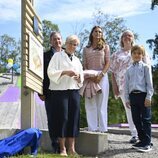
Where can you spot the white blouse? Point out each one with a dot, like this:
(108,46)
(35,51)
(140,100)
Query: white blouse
(61,62)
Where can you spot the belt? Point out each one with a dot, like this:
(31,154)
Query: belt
(136,92)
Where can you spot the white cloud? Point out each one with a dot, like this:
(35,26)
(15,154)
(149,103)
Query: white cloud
(10,10)
(70,10)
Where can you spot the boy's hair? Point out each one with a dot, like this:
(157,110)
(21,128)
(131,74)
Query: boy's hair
(138,48)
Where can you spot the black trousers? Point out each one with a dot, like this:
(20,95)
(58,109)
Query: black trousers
(49,110)
(141,117)
(66,113)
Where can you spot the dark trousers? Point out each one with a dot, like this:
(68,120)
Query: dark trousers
(49,111)
(66,113)
(141,117)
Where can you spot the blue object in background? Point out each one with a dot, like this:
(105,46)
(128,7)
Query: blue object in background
(18,70)
(16,143)
(16,66)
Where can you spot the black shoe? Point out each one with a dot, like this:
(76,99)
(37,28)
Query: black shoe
(133,140)
(137,145)
(55,145)
(146,148)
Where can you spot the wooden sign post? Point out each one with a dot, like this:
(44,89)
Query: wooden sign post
(32,62)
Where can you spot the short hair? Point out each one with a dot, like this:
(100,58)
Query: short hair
(54,33)
(139,48)
(72,38)
(126,31)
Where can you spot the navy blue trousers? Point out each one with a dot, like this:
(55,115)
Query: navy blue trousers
(141,117)
(66,113)
(49,111)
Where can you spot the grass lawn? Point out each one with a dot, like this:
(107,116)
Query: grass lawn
(39,156)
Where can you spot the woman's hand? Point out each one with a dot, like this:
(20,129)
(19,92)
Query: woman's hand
(99,77)
(93,79)
(77,78)
(69,73)
(74,75)
(115,87)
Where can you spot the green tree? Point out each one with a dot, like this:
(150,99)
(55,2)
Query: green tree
(154,3)
(112,27)
(153,45)
(48,27)
(9,48)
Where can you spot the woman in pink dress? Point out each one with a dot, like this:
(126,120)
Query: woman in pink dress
(96,57)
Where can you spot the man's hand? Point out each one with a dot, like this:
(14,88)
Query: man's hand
(128,105)
(147,103)
(42,97)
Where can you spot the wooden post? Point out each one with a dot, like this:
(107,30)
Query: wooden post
(27,108)
(27,95)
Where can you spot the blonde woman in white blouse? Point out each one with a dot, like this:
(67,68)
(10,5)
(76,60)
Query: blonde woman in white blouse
(66,77)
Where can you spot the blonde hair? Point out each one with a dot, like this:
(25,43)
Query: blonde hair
(138,48)
(72,38)
(121,41)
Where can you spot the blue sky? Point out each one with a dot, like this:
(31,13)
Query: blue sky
(72,15)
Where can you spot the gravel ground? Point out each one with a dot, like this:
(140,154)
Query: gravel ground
(119,147)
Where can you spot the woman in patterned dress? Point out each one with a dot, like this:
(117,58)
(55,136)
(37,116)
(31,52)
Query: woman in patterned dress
(120,61)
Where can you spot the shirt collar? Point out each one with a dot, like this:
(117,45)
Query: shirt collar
(137,63)
(69,55)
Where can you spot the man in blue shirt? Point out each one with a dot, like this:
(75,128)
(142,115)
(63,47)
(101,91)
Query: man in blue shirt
(138,93)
